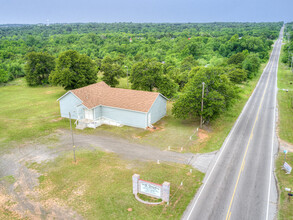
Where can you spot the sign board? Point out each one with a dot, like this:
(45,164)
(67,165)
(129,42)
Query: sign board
(288,189)
(287,168)
(149,188)
(285,151)
(159,191)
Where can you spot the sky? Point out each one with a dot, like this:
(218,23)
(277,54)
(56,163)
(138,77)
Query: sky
(71,11)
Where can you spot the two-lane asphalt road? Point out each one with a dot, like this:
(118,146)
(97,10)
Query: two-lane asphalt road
(238,184)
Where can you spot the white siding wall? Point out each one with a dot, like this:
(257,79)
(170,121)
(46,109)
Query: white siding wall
(98,112)
(158,109)
(68,104)
(125,117)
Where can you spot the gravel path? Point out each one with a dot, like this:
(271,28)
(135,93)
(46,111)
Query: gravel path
(25,200)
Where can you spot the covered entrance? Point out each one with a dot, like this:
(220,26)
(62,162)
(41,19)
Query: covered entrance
(89,114)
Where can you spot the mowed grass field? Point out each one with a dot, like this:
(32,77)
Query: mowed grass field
(99,186)
(284,181)
(27,112)
(285,103)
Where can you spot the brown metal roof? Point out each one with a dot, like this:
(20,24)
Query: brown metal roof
(102,94)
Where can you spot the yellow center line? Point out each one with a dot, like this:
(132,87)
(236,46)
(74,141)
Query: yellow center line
(247,146)
(243,166)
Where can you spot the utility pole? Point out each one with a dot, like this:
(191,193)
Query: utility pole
(127,75)
(72,138)
(202,95)
(288,47)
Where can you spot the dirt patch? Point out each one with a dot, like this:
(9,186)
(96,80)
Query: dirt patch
(202,135)
(24,200)
(50,92)
(56,119)
(285,145)
(6,205)
(155,128)
(80,190)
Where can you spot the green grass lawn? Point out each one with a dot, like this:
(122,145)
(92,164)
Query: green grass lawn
(27,112)
(285,103)
(99,186)
(284,181)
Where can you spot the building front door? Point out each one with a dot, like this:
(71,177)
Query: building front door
(88,114)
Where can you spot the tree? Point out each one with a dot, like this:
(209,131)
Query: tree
(167,86)
(148,74)
(237,75)
(181,77)
(111,71)
(15,70)
(73,70)
(4,77)
(188,63)
(38,68)
(145,75)
(251,64)
(219,93)
(236,59)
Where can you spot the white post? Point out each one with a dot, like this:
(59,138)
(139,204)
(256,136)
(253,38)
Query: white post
(72,138)
(202,96)
(135,179)
(166,192)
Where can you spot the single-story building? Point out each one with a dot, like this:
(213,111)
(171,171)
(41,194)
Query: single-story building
(99,104)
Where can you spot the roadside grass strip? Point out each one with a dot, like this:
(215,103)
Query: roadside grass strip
(284,181)
(285,103)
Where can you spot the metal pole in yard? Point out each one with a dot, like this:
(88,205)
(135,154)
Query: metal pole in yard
(202,95)
(291,63)
(72,138)
(288,46)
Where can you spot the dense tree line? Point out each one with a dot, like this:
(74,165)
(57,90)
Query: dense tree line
(169,58)
(159,30)
(288,47)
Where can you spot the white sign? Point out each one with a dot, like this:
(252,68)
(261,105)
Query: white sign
(159,191)
(285,151)
(288,189)
(150,189)
(287,167)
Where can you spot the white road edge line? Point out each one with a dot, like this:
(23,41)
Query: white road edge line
(227,139)
(273,136)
